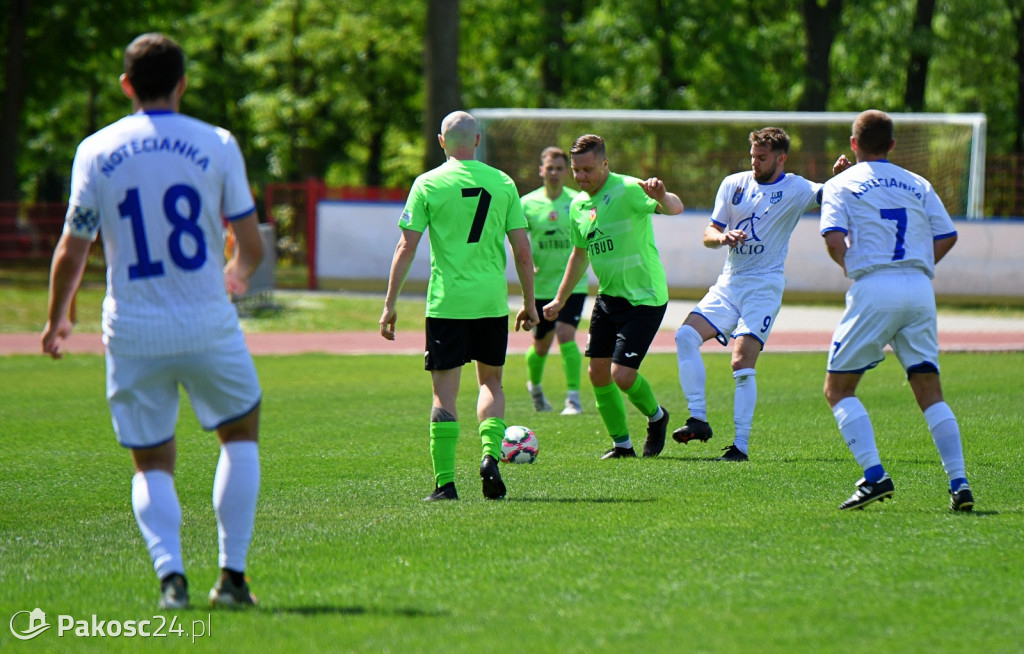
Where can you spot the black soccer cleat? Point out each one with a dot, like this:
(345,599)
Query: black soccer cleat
(620,453)
(962,500)
(232,591)
(173,592)
(490,477)
(732,453)
(655,442)
(868,492)
(694,429)
(446,492)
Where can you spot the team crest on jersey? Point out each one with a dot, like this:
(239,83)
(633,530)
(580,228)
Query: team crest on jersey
(593,213)
(553,216)
(737,195)
(85,220)
(775,197)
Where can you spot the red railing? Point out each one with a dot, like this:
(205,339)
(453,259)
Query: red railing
(29,232)
(297,229)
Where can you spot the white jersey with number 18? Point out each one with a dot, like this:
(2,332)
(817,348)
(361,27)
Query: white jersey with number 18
(890,215)
(158,186)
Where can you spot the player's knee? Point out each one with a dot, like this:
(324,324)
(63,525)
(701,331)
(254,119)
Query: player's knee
(624,377)
(688,339)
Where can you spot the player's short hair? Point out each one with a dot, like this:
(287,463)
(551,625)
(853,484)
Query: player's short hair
(873,132)
(553,152)
(154,64)
(773,137)
(588,143)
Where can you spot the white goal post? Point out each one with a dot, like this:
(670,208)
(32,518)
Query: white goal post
(693,150)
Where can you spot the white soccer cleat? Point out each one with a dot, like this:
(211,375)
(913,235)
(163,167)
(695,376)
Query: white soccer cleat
(572,407)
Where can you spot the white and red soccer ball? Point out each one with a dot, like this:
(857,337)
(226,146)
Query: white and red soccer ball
(520,445)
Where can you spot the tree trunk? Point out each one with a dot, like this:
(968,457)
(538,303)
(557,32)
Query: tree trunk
(920,53)
(821,24)
(554,52)
(13,100)
(441,73)
(1018,21)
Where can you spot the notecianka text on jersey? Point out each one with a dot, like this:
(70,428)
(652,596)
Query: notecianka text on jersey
(885,182)
(153,145)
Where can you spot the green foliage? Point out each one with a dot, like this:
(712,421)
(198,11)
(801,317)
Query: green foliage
(335,90)
(680,553)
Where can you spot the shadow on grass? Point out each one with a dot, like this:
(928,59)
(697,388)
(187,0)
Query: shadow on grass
(581,500)
(401,612)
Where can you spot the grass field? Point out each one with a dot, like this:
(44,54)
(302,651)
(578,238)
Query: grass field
(677,554)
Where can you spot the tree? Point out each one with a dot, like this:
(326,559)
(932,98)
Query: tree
(920,52)
(13,99)
(1018,22)
(440,73)
(821,20)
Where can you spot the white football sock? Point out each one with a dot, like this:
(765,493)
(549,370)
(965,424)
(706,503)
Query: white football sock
(235,488)
(946,435)
(158,513)
(855,426)
(743,406)
(692,376)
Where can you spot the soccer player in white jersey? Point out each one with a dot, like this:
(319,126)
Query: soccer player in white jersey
(159,184)
(887,228)
(755,214)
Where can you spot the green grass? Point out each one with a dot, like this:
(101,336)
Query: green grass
(680,553)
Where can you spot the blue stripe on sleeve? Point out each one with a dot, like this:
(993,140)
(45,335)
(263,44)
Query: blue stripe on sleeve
(241,215)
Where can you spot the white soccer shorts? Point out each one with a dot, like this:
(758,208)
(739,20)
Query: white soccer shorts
(143,391)
(739,305)
(887,307)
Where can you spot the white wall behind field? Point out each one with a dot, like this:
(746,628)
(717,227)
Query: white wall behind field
(356,241)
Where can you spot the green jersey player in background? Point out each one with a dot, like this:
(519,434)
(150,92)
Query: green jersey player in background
(546,210)
(613,233)
(469,209)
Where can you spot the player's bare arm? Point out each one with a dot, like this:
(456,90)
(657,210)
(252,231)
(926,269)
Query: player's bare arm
(247,256)
(522,254)
(716,236)
(669,203)
(65,275)
(575,268)
(405,251)
(943,246)
(835,243)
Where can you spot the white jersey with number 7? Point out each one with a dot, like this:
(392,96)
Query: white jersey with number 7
(891,217)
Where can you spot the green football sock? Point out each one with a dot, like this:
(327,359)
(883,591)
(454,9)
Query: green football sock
(492,431)
(571,361)
(613,411)
(443,438)
(642,397)
(535,365)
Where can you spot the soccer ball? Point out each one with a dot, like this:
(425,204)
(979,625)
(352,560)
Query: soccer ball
(520,445)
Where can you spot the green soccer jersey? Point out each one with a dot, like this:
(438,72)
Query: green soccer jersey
(549,225)
(616,229)
(467,208)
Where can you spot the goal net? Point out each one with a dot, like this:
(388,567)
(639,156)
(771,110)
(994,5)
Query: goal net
(693,150)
